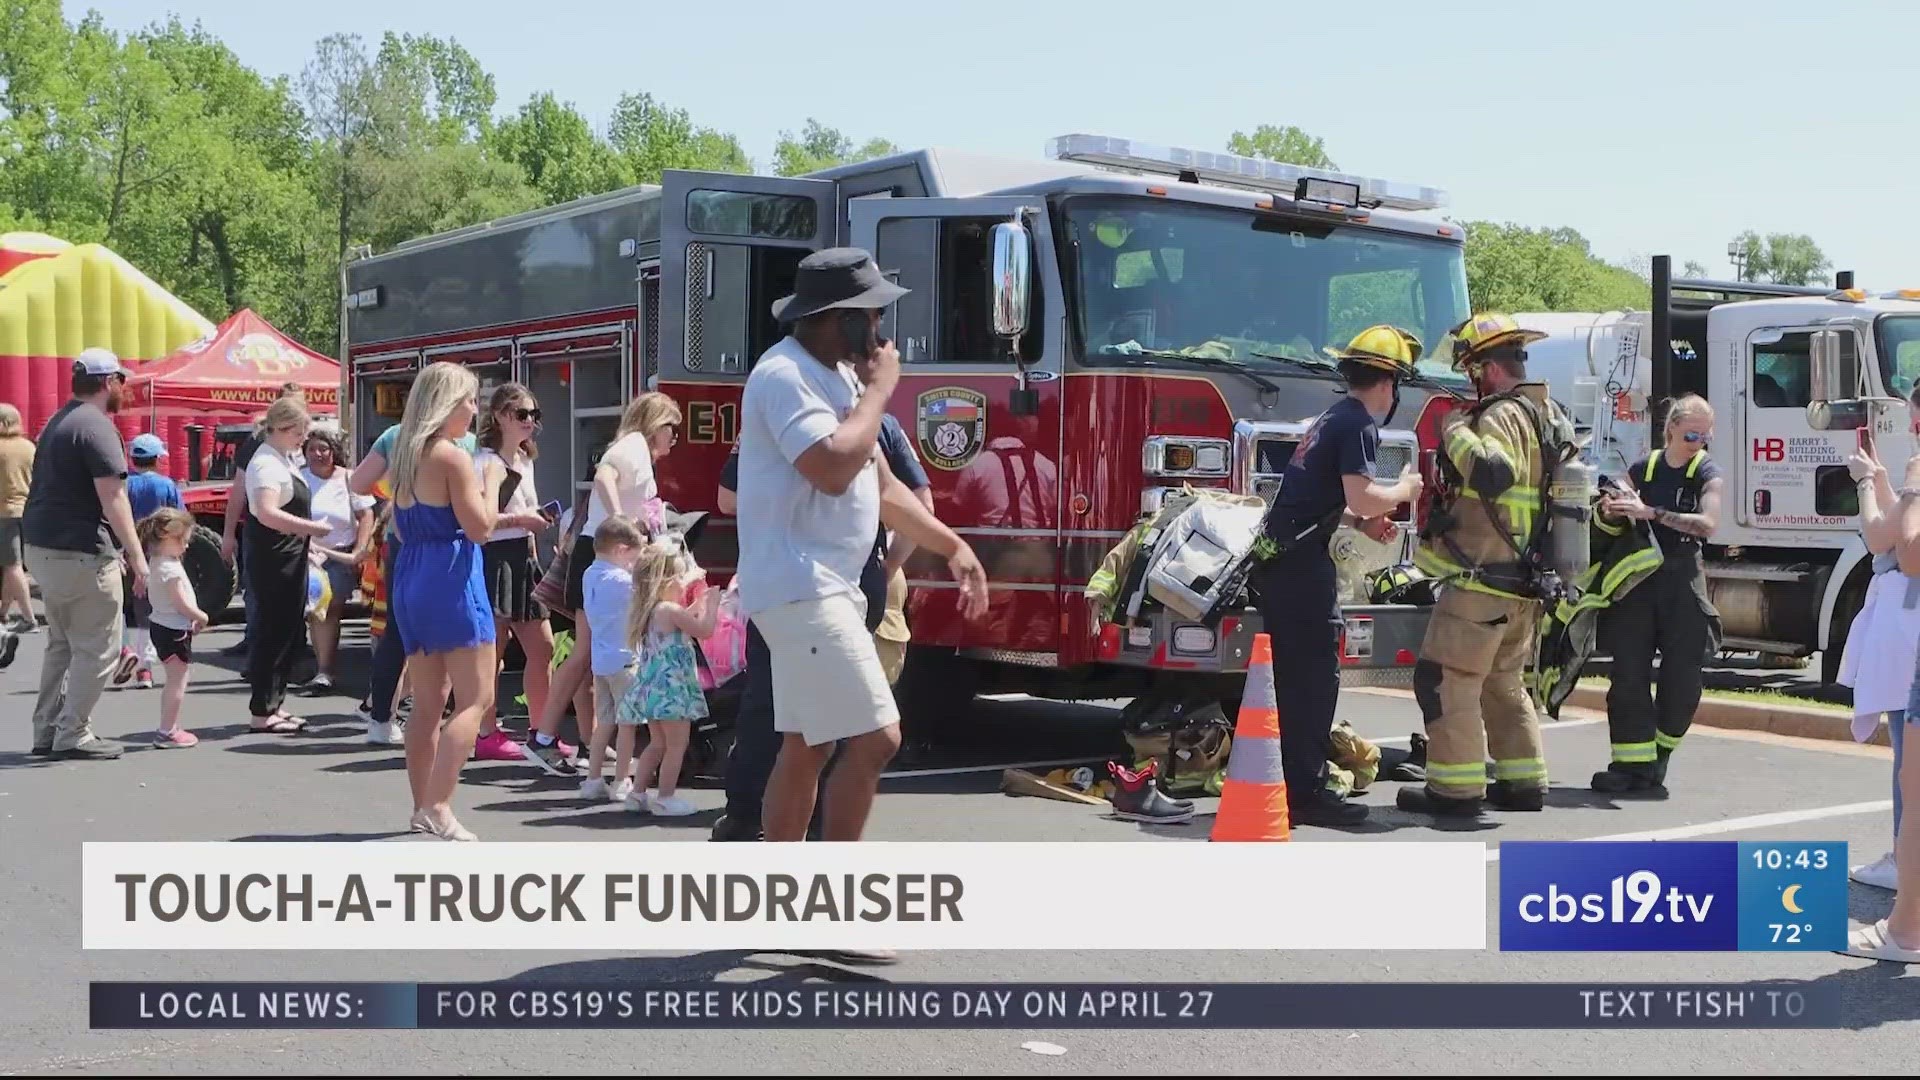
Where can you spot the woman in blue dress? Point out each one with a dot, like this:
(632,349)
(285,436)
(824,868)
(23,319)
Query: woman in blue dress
(443,512)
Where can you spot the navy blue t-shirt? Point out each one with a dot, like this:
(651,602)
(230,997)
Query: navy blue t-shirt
(1341,443)
(1671,489)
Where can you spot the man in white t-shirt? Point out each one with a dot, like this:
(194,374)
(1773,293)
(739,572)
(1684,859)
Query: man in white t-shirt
(813,492)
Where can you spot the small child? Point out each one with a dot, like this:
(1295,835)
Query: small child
(174,617)
(606,594)
(148,490)
(665,694)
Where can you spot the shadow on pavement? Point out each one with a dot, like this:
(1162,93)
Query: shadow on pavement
(1868,998)
(1867,904)
(396,763)
(696,967)
(293,747)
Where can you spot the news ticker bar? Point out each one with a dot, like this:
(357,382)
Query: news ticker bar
(1274,1006)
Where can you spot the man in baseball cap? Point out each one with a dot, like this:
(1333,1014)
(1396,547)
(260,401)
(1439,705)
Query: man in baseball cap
(76,509)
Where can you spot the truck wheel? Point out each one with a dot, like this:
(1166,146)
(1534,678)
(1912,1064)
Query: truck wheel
(212,578)
(935,692)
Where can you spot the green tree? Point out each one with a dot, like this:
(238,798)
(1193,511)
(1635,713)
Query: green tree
(1288,144)
(557,151)
(1782,258)
(1515,268)
(652,137)
(456,95)
(1693,269)
(820,147)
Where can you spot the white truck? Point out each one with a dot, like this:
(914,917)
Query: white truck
(1787,568)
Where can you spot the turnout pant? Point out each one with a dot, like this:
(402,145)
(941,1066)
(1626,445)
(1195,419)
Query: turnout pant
(1668,614)
(1300,609)
(1473,696)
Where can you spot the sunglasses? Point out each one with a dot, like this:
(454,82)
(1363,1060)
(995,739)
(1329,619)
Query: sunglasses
(1698,436)
(525,415)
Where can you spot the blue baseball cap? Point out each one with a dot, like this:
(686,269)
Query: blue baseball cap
(148,447)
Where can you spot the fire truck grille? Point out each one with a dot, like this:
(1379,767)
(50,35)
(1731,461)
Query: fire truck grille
(698,265)
(650,325)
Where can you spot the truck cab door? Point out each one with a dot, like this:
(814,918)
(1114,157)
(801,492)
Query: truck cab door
(1793,478)
(993,457)
(729,248)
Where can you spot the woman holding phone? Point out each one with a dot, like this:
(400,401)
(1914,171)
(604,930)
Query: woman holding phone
(1677,488)
(511,559)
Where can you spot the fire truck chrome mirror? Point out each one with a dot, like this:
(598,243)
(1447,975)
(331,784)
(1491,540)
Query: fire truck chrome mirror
(1012,280)
(1828,365)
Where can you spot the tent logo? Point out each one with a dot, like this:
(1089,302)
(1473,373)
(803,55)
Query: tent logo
(264,353)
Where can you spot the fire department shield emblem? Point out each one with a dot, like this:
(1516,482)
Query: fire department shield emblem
(952,426)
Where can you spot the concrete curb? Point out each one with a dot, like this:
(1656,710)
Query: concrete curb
(1719,712)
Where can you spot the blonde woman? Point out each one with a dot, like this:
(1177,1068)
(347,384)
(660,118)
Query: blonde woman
(279,531)
(1677,488)
(16,474)
(438,598)
(624,486)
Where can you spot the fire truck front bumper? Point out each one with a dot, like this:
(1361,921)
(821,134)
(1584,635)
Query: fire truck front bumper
(1377,648)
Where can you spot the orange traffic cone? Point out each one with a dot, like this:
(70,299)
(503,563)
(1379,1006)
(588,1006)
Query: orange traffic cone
(1253,801)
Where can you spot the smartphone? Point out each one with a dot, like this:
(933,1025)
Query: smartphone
(551,510)
(1864,439)
(856,327)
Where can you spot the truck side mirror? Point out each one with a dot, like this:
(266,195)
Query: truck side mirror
(1012,278)
(1837,404)
(1824,350)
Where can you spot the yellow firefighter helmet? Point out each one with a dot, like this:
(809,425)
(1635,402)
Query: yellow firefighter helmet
(1484,331)
(1388,348)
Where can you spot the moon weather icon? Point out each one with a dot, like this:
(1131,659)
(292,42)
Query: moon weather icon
(1788,901)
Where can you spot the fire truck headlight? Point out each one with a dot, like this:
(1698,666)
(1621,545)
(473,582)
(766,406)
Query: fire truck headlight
(1166,455)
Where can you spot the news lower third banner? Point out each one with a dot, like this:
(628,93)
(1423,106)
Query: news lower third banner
(682,897)
(982,1006)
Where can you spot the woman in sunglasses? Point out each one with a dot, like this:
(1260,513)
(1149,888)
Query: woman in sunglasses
(510,559)
(1677,489)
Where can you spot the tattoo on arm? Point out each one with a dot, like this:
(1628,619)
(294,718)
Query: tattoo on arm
(1690,524)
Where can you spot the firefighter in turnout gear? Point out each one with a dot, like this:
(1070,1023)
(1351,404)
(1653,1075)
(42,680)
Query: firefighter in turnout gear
(1481,544)
(1328,481)
(1677,490)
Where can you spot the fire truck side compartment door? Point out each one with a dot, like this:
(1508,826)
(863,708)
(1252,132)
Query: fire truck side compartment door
(728,248)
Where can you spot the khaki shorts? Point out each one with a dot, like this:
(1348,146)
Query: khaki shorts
(828,684)
(607,692)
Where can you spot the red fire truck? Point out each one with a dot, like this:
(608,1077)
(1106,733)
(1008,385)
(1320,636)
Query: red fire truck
(1084,334)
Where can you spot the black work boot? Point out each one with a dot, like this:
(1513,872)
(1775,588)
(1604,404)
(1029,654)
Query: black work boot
(1630,781)
(1508,795)
(735,829)
(1420,800)
(1327,809)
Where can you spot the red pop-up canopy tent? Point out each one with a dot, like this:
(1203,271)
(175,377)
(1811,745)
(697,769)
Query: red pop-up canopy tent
(230,376)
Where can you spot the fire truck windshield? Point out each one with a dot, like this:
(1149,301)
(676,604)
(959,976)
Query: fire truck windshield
(1156,278)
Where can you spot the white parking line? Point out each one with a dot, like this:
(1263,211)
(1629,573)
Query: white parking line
(1739,824)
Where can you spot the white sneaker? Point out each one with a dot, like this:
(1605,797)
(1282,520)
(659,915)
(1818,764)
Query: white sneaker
(621,790)
(672,806)
(389,733)
(639,802)
(595,788)
(1879,873)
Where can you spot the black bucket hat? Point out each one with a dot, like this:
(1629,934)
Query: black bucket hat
(836,278)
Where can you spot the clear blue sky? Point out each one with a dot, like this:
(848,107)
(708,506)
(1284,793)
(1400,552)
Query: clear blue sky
(1650,127)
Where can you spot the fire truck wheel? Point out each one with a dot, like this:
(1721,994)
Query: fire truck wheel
(212,578)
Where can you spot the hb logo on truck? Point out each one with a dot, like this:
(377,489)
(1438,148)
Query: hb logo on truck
(1774,449)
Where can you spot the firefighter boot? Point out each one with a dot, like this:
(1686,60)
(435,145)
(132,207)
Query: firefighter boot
(1420,800)
(1507,795)
(1630,780)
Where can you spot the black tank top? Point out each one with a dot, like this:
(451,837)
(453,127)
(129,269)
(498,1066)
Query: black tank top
(288,553)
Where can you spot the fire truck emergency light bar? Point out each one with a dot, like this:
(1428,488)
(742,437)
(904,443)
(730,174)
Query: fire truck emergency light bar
(1232,170)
